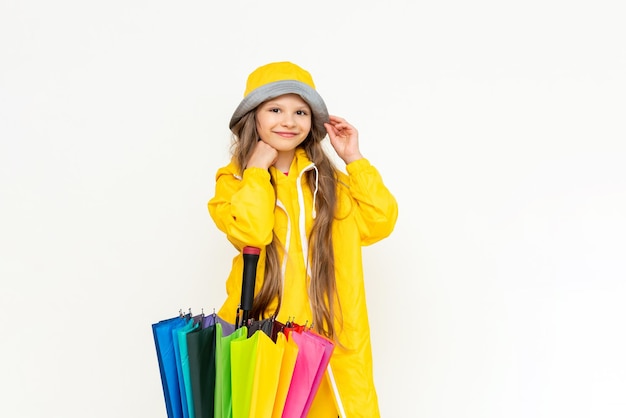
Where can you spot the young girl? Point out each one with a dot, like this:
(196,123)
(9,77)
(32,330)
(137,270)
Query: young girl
(282,194)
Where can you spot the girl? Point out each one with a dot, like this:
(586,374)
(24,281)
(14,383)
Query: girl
(282,194)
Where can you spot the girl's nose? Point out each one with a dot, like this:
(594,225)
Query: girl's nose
(288,120)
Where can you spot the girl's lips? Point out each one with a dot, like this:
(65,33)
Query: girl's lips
(286,134)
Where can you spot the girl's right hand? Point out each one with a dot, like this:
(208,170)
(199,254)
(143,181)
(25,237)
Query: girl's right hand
(263,156)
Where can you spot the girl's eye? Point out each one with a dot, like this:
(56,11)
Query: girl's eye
(275,110)
(302,112)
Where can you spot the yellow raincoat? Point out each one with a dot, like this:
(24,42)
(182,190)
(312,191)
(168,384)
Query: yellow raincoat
(248,209)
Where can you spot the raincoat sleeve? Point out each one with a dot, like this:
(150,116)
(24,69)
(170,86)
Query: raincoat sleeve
(377,209)
(243,208)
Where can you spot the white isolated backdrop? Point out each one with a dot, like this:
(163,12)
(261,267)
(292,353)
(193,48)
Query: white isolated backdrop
(499,126)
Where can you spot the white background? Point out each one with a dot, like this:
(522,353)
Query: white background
(498,125)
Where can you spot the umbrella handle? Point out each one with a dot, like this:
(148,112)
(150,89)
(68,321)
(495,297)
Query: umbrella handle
(250,261)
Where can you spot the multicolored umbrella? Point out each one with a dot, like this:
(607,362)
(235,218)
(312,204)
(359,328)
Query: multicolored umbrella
(251,369)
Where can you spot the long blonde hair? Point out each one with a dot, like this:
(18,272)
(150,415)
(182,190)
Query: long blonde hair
(322,285)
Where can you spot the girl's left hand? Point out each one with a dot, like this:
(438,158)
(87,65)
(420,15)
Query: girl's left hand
(344,138)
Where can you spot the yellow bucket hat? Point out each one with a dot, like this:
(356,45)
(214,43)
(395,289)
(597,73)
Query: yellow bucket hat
(278,78)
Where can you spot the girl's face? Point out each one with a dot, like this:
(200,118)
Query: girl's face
(284,122)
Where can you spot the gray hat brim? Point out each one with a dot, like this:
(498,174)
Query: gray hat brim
(278,88)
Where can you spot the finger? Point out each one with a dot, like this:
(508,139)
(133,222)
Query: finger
(341,124)
(330,129)
(334,120)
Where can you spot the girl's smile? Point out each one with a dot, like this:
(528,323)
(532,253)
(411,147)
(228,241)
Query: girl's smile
(286,134)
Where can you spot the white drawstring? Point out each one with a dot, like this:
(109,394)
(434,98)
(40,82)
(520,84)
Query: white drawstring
(303,240)
(333,385)
(317,175)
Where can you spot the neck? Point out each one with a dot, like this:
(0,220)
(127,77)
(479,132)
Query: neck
(283,162)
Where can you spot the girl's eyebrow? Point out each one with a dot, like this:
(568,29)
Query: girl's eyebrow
(272,103)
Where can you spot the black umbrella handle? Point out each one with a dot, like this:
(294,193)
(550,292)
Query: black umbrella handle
(250,261)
